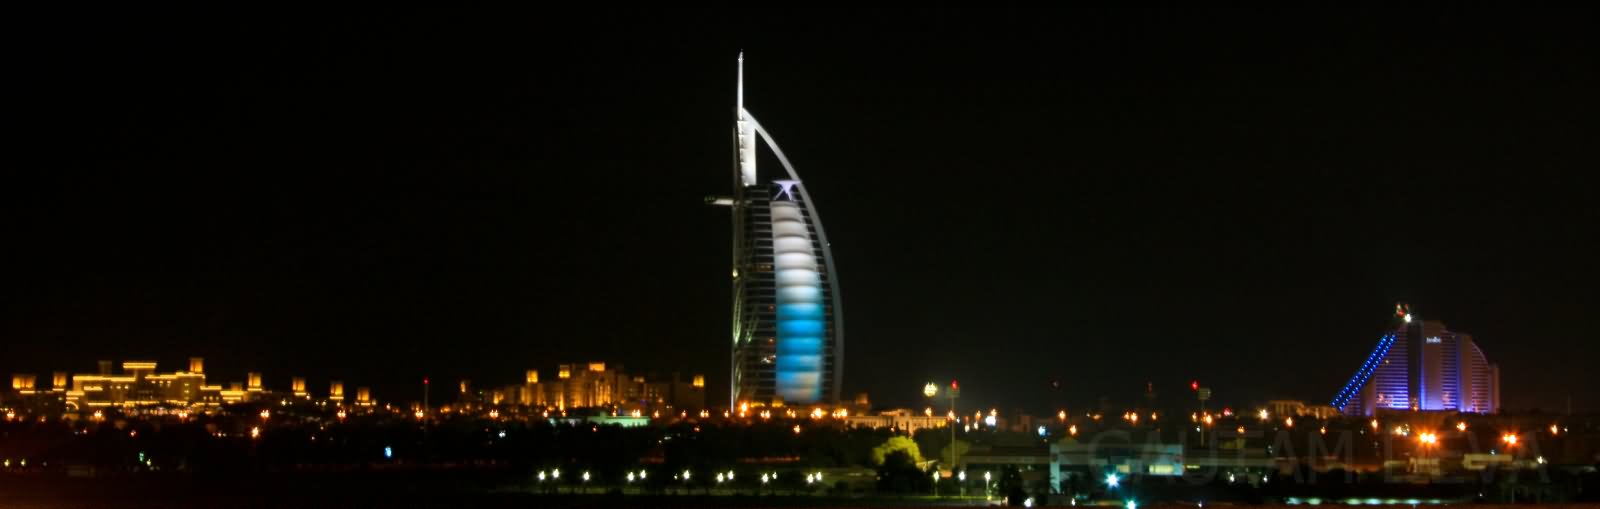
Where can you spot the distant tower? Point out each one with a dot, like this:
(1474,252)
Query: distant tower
(788,332)
(197,365)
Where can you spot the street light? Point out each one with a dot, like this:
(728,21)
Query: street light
(986,485)
(1112,480)
(930,390)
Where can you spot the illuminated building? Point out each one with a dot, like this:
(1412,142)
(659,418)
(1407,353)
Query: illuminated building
(23,384)
(598,385)
(787,332)
(1295,408)
(1421,365)
(363,396)
(27,398)
(576,387)
(140,385)
(898,420)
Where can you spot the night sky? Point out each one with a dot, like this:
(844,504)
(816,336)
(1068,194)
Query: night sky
(1100,198)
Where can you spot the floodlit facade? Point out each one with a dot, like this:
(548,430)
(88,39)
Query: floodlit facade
(138,388)
(140,385)
(787,330)
(899,420)
(600,385)
(1422,365)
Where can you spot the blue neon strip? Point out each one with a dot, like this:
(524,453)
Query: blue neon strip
(1364,374)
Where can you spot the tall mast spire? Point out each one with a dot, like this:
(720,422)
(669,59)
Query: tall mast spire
(745,135)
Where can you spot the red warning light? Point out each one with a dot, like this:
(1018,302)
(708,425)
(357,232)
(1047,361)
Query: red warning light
(953,385)
(1194,385)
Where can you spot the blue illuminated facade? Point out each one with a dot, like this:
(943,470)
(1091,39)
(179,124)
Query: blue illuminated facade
(801,319)
(1422,365)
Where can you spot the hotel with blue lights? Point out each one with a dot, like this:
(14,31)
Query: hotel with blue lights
(787,335)
(1421,365)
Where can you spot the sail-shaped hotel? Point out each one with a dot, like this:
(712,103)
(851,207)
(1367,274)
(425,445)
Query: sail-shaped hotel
(787,331)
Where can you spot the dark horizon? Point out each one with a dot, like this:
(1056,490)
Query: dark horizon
(1100,198)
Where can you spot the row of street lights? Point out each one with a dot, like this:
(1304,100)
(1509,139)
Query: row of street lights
(554,475)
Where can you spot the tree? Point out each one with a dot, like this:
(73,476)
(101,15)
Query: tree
(896,444)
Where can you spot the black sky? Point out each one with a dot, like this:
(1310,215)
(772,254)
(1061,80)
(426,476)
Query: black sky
(1103,198)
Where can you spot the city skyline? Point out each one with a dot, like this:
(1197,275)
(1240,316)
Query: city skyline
(1449,373)
(1091,201)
